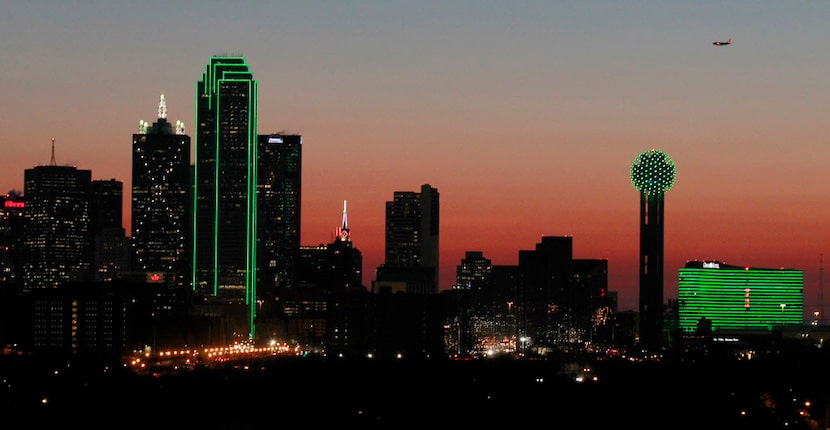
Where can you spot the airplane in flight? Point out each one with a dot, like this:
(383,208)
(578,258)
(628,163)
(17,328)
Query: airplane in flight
(728,42)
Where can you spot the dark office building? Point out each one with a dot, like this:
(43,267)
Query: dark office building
(280,197)
(345,261)
(110,249)
(57,237)
(12,207)
(161,201)
(652,174)
(411,257)
(226,154)
(93,320)
(592,306)
(544,284)
(336,266)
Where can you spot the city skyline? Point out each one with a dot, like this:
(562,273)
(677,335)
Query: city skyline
(526,116)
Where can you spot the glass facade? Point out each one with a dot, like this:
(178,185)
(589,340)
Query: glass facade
(280,193)
(160,198)
(57,218)
(225,203)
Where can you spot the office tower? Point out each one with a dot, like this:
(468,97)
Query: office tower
(161,200)
(652,174)
(335,266)
(411,258)
(109,242)
(592,306)
(345,261)
(543,295)
(12,207)
(225,201)
(322,305)
(57,238)
(721,298)
(474,273)
(280,197)
(475,301)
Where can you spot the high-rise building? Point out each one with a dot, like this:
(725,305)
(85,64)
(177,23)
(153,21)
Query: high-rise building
(543,305)
(161,200)
(411,257)
(12,207)
(108,238)
(346,261)
(225,200)
(592,306)
(652,174)
(57,218)
(279,194)
(721,298)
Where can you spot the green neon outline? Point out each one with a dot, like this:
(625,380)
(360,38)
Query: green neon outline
(230,69)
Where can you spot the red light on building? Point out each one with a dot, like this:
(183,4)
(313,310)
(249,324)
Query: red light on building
(11,204)
(155,277)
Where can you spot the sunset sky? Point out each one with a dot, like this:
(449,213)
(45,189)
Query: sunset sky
(525,115)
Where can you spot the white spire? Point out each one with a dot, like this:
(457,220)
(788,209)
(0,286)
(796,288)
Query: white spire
(345,219)
(162,108)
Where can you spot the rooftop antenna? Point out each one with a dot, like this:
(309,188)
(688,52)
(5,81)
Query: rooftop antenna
(52,162)
(343,230)
(345,217)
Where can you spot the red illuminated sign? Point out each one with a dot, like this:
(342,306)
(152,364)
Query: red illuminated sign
(11,204)
(155,277)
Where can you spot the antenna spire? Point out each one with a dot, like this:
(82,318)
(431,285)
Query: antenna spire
(52,161)
(345,217)
(162,108)
(342,232)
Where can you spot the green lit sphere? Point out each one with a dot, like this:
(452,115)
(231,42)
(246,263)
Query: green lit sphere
(653,172)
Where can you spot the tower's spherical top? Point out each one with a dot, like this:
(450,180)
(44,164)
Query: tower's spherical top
(653,172)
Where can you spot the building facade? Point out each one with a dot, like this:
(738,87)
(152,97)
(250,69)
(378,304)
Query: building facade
(12,207)
(225,201)
(280,198)
(714,297)
(57,225)
(161,200)
(411,247)
(109,241)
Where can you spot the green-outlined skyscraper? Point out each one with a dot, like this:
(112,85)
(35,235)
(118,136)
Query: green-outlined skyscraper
(652,174)
(225,200)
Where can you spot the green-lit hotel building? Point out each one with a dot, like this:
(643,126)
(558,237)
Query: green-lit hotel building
(738,299)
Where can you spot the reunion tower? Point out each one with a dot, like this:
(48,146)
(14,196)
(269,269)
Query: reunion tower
(652,174)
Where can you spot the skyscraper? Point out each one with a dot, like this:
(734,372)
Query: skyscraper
(109,241)
(12,208)
(543,293)
(225,201)
(412,221)
(652,174)
(161,200)
(57,238)
(280,198)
